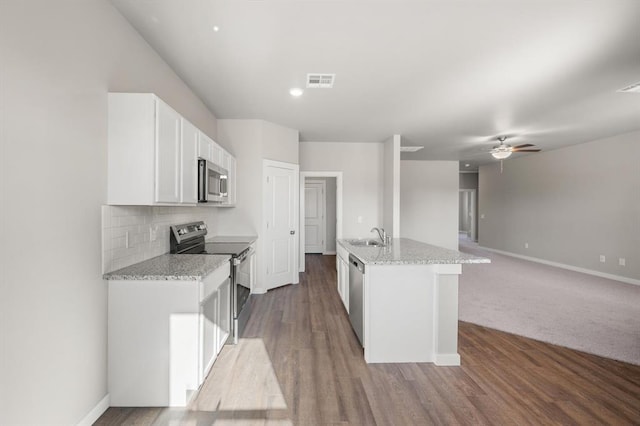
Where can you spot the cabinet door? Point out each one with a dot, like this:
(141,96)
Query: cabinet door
(189,158)
(204,147)
(343,282)
(224,313)
(209,317)
(339,274)
(216,154)
(167,187)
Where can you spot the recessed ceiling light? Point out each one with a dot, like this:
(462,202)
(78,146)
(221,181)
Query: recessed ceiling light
(296,91)
(410,148)
(467,165)
(216,28)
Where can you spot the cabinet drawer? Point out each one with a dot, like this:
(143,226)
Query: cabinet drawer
(342,252)
(211,282)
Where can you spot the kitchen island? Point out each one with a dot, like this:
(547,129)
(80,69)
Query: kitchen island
(409,299)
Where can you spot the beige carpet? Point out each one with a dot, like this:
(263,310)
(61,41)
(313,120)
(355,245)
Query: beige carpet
(554,305)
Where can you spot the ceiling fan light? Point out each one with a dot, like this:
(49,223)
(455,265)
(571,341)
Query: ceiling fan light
(501,155)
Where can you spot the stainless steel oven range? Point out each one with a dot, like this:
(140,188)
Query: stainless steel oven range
(189,238)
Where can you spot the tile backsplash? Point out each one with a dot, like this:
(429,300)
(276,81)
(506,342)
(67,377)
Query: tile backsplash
(128,231)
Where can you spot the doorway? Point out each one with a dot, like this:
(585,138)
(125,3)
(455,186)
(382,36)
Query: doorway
(332,223)
(467,207)
(317,224)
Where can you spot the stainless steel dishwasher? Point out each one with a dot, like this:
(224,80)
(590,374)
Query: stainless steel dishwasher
(356,309)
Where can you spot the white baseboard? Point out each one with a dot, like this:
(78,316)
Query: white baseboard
(447,359)
(96,412)
(329,253)
(568,267)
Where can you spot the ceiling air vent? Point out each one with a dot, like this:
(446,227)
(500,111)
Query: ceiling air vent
(320,81)
(634,88)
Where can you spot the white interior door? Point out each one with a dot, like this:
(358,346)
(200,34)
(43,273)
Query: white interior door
(315,216)
(472,216)
(281,223)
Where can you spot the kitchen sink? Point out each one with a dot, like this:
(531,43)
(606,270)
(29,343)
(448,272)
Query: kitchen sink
(366,243)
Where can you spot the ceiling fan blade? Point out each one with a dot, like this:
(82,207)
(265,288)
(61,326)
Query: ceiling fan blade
(525,145)
(526,150)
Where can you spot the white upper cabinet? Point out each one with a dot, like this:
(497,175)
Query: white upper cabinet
(216,154)
(189,163)
(209,150)
(167,170)
(153,152)
(205,145)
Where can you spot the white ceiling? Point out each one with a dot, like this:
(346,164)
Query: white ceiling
(449,75)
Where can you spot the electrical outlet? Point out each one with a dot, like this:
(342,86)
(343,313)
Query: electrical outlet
(602,258)
(482,216)
(622,261)
(526,245)
(153,233)
(359,219)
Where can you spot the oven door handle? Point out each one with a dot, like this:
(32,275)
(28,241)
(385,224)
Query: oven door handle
(238,260)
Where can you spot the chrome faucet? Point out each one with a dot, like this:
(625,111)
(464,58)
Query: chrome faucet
(381,234)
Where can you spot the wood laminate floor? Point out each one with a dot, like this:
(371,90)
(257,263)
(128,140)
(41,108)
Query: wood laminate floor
(299,363)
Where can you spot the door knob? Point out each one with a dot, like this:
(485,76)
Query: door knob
(292,232)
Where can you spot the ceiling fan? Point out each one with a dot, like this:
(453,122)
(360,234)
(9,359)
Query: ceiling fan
(504,150)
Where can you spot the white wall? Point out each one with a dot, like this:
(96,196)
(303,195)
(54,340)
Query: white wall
(279,143)
(251,141)
(570,205)
(244,140)
(391,199)
(361,164)
(429,202)
(59,60)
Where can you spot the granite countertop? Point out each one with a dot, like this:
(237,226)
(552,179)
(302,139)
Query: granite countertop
(233,239)
(185,267)
(404,251)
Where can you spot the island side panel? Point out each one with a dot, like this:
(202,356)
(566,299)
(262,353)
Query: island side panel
(399,313)
(446,318)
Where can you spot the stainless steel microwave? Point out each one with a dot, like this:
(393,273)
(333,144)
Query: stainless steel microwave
(212,183)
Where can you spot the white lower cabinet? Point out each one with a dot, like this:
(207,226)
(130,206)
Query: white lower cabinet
(342,266)
(164,337)
(215,319)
